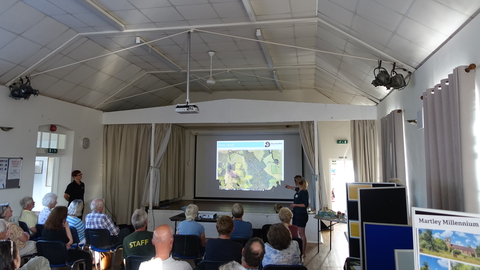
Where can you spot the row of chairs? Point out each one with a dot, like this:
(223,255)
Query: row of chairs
(98,240)
(187,247)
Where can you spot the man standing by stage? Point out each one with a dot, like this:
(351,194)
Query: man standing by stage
(76,189)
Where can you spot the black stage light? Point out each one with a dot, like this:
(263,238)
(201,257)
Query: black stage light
(21,90)
(382,78)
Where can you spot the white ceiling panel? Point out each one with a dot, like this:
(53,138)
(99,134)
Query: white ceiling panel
(75,94)
(9,19)
(58,89)
(436,16)
(19,50)
(7,37)
(80,74)
(420,34)
(270,7)
(116,5)
(132,16)
(95,80)
(146,4)
(165,14)
(45,31)
(378,14)
(197,12)
(43,6)
(335,13)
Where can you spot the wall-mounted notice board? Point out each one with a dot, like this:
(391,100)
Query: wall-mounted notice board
(10,169)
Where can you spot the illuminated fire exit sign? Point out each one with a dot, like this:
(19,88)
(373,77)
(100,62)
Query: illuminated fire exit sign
(342,141)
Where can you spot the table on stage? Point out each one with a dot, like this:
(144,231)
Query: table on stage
(181,217)
(332,221)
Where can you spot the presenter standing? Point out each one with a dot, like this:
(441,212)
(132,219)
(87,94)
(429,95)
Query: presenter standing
(76,189)
(299,207)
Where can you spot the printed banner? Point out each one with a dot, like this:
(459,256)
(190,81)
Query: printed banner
(446,240)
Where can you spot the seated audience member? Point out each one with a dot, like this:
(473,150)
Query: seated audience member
(27,216)
(4,233)
(35,263)
(163,242)
(222,248)
(49,201)
(233,265)
(285,215)
(280,248)
(252,253)
(20,237)
(140,241)
(74,211)
(190,226)
(56,228)
(243,229)
(98,220)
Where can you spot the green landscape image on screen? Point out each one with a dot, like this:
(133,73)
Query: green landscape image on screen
(249,169)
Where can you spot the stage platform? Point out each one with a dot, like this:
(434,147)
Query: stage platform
(224,206)
(258,213)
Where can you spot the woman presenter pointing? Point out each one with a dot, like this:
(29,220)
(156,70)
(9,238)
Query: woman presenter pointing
(299,207)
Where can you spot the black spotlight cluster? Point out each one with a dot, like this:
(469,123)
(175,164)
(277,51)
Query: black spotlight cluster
(22,89)
(392,80)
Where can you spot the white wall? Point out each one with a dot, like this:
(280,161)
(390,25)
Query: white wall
(25,116)
(244,111)
(461,50)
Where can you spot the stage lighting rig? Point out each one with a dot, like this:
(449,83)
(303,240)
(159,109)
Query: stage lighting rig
(22,90)
(391,81)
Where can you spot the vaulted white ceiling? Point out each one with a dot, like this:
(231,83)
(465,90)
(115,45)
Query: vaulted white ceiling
(86,51)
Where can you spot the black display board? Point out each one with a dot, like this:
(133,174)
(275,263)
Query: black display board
(387,205)
(354,216)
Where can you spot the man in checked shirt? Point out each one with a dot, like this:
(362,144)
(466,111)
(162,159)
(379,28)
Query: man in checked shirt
(98,220)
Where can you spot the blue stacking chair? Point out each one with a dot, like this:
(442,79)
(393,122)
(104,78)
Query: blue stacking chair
(187,247)
(133,261)
(56,254)
(100,240)
(284,267)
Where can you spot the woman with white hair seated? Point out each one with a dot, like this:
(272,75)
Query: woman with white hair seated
(190,226)
(49,201)
(74,210)
(21,238)
(285,215)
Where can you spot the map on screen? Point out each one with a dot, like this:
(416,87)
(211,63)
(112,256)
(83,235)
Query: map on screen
(250,165)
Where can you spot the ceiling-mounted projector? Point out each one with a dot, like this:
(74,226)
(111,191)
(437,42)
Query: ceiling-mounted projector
(186,108)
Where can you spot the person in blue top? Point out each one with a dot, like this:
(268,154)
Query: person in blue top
(242,229)
(299,207)
(190,226)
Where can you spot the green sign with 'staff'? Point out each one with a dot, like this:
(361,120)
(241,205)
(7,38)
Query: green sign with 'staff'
(342,141)
(52,151)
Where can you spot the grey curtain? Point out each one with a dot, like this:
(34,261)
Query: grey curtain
(393,147)
(307,138)
(364,136)
(172,168)
(125,164)
(449,136)
(162,136)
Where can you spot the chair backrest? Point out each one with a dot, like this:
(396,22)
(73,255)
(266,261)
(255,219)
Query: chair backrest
(76,239)
(54,251)
(284,267)
(242,241)
(210,265)
(133,261)
(300,244)
(39,228)
(24,226)
(265,229)
(187,246)
(98,239)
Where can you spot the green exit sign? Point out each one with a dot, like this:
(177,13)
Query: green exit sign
(342,141)
(52,151)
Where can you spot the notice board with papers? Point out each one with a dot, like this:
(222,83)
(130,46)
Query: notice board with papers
(10,169)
